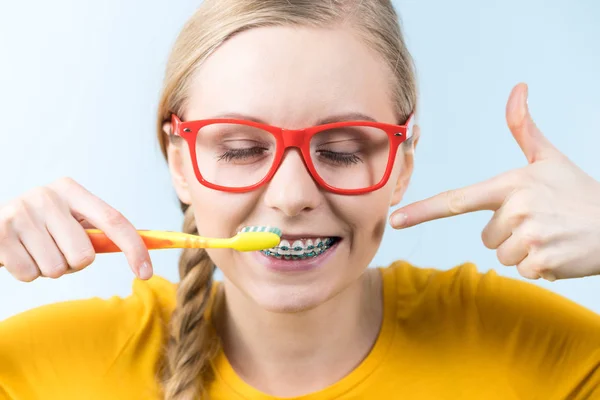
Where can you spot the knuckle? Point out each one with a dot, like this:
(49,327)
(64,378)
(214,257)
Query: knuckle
(82,259)
(13,210)
(64,185)
(114,217)
(44,197)
(64,181)
(538,264)
(503,257)
(24,272)
(56,270)
(533,268)
(542,262)
(456,201)
(487,239)
(532,237)
(516,218)
(29,277)
(523,203)
(526,272)
(15,213)
(488,236)
(4,230)
(520,177)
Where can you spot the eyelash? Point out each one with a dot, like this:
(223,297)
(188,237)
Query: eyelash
(340,158)
(240,154)
(345,159)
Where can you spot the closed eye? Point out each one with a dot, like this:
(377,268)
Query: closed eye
(242,154)
(339,158)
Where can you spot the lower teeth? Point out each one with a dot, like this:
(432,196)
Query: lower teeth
(294,257)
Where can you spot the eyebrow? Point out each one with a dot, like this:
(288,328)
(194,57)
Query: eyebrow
(351,116)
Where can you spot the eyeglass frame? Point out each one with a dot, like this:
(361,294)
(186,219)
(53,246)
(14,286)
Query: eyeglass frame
(290,138)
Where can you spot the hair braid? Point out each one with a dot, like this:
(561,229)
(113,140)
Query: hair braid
(192,343)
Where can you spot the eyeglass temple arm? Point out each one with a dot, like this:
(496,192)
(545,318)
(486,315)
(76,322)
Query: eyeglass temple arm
(410,124)
(175,125)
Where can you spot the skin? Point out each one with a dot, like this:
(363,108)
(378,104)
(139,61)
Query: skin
(546,219)
(277,326)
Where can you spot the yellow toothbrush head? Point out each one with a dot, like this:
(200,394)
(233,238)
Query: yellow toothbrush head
(254,238)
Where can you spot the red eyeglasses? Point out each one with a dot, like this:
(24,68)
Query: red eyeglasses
(234,155)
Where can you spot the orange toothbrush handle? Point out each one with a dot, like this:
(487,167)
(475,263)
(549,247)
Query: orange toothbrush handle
(152,239)
(101,242)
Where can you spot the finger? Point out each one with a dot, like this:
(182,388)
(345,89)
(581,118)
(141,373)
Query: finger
(71,238)
(38,242)
(531,268)
(525,269)
(84,223)
(17,261)
(504,222)
(117,228)
(556,260)
(512,251)
(497,231)
(543,262)
(532,141)
(487,195)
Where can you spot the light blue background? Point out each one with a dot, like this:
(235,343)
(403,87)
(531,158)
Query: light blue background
(79,83)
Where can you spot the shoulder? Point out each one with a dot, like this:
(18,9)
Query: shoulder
(484,310)
(92,335)
(489,297)
(537,340)
(150,299)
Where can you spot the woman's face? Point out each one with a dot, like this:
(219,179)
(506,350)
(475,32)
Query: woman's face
(292,78)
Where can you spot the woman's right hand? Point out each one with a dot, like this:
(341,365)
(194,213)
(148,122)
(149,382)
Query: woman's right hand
(43,232)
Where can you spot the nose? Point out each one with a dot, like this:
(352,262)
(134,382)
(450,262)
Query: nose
(292,189)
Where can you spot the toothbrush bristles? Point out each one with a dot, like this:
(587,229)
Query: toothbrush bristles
(271,229)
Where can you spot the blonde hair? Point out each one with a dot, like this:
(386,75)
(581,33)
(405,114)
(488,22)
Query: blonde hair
(192,342)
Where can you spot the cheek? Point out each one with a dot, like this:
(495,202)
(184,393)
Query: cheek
(378,229)
(220,214)
(367,217)
(209,213)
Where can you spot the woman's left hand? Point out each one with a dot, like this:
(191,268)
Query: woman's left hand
(546,215)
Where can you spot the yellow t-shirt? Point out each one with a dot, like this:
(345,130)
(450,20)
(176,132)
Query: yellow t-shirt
(453,334)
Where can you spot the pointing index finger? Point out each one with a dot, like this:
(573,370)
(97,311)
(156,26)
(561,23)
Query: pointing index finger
(487,195)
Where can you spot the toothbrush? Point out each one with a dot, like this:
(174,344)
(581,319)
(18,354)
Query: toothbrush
(250,238)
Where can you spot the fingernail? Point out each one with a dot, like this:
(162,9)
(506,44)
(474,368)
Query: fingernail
(549,276)
(399,220)
(145,271)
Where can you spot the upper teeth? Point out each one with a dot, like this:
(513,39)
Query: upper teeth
(300,246)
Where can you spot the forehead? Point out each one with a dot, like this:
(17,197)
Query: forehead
(292,77)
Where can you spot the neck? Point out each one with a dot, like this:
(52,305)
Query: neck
(290,354)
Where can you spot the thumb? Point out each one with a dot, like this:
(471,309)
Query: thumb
(532,141)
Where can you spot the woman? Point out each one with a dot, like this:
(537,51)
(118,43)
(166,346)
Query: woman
(324,327)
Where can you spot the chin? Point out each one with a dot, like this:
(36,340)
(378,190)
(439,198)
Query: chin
(289,299)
